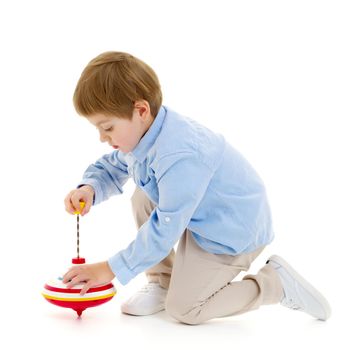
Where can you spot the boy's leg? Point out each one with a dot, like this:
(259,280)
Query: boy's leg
(201,286)
(142,207)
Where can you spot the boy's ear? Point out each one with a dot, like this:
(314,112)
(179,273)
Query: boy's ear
(142,108)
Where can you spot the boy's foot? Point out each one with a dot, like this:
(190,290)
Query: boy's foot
(147,301)
(298,293)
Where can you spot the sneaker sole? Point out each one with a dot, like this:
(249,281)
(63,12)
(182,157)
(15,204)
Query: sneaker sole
(140,314)
(129,311)
(310,288)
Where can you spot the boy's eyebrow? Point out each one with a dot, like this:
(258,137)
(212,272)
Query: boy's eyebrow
(101,122)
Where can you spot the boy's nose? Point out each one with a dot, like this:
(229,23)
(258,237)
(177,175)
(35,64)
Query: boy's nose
(103,138)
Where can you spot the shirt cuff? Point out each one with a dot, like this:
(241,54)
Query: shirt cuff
(120,269)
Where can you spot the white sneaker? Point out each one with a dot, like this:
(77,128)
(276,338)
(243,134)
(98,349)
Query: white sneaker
(298,293)
(147,301)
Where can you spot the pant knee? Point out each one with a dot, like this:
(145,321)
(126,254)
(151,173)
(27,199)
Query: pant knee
(186,315)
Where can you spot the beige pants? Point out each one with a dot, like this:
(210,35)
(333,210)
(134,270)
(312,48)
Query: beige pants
(200,284)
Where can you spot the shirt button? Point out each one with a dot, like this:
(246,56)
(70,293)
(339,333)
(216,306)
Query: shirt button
(167,219)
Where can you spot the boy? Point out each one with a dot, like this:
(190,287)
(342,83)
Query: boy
(192,186)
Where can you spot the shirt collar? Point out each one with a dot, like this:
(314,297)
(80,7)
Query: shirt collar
(147,141)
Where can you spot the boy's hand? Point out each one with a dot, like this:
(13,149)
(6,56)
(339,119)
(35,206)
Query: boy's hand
(81,194)
(92,274)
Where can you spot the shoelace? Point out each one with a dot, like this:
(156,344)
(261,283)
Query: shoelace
(148,288)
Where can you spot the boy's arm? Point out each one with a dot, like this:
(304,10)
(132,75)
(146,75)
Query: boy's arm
(182,183)
(107,176)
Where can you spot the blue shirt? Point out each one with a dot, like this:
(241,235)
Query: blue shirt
(197,181)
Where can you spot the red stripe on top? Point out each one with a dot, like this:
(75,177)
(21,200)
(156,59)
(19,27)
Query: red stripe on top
(70,290)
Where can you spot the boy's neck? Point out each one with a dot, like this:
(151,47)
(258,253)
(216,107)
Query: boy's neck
(151,120)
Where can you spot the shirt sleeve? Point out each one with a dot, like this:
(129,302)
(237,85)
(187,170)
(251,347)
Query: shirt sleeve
(107,176)
(182,183)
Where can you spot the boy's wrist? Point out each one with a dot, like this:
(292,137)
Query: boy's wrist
(87,187)
(108,270)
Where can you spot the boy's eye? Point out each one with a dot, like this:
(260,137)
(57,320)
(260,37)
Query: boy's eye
(109,129)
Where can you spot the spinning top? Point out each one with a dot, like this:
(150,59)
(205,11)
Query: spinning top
(58,294)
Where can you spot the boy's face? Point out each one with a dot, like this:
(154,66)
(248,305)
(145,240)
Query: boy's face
(122,134)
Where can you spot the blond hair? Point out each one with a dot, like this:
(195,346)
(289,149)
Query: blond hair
(112,82)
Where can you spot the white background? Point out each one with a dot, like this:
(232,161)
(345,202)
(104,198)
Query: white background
(272,76)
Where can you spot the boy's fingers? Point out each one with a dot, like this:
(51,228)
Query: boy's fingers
(69,203)
(67,198)
(69,275)
(76,280)
(86,208)
(86,287)
(76,204)
(69,208)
